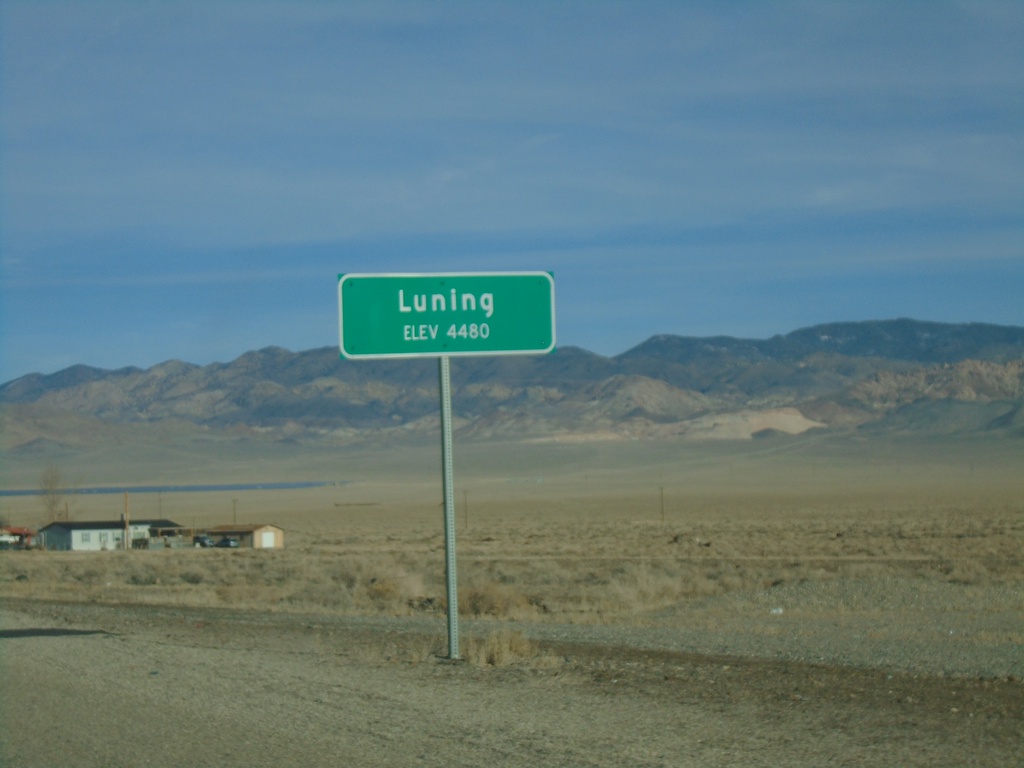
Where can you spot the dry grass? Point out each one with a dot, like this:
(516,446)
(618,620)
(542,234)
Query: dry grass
(539,572)
(503,648)
(598,534)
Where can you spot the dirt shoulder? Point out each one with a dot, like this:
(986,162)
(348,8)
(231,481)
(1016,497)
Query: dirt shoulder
(132,685)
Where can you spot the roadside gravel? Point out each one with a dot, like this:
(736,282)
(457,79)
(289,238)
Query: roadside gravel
(896,625)
(724,681)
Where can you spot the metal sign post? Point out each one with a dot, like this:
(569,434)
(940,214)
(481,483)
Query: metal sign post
(451,582)
(441,315)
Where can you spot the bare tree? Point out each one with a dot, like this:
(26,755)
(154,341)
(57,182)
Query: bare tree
(53,490)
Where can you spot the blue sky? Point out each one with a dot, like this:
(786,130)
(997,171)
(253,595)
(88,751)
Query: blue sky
(186,180)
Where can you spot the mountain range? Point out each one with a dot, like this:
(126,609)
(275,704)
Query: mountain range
(891,376)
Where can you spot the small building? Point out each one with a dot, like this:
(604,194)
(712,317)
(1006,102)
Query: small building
(98,535)
(253,536)
(12,537)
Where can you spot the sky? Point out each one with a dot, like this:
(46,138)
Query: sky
(186,180)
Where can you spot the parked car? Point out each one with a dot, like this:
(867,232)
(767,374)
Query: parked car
(228,542)
(202,540)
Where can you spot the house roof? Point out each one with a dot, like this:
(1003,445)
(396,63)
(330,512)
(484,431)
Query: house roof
(108,525)
(15,531)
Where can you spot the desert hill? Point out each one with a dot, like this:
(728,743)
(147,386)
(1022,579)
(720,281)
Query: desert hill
(899,375)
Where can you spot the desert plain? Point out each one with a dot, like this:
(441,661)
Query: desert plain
(821,599)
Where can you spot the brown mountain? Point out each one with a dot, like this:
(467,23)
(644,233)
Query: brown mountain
(899,375)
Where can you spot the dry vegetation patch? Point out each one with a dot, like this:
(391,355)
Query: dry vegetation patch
(539,570)
(506,647)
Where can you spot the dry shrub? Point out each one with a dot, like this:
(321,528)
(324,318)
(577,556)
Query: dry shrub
(329,597)
(707,582)
(494,600)
(192,577)
(354,585)
(500,648)
(645,585)
(94,573)
(966,572)
(393,593)
(141,578)
(382,591)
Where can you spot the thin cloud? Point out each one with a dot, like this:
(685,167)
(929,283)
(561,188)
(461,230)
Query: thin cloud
(241,154)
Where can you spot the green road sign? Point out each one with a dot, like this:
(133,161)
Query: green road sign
(433,315)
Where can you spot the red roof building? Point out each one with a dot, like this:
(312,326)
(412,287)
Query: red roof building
(13,537)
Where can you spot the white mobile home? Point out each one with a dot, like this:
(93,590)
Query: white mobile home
(99,535)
